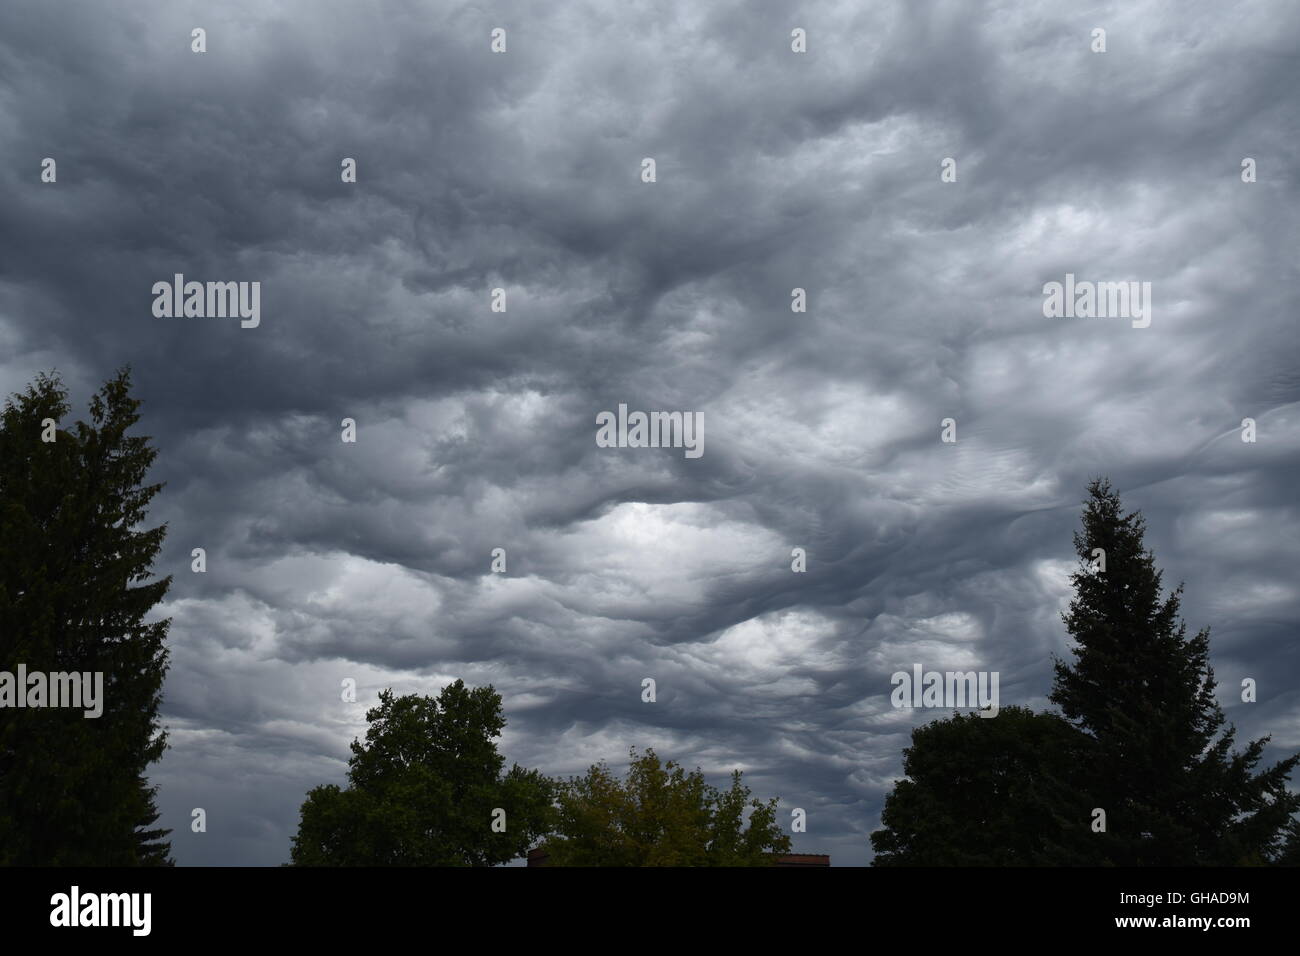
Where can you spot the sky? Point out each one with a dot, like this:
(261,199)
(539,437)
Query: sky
(823,429)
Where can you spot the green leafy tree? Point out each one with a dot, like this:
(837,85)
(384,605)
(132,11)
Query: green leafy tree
(75,564)
(987,791)
(1163,768)
(661,815)
(424,789)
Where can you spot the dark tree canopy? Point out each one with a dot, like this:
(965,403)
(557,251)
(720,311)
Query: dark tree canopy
(661,815)
(1141,738)
(1164,769)
(424,790)
(75,569)
(987,792)
(1289,855)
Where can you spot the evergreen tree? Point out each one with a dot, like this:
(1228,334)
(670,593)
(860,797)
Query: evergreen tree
(75,564)
(1289,855)
(1163,768)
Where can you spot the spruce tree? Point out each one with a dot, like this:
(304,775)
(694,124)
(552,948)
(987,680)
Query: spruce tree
(1163,767)
(1289,855)
(75,564)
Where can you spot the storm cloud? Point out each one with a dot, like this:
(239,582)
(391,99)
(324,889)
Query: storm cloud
(476,429)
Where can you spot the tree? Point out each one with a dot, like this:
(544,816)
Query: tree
(1289,855)
(75,564)
(661,816)
(983,791)
(425,790)
(1174,791)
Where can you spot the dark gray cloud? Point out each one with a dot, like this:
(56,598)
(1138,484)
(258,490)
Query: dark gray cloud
(476,429)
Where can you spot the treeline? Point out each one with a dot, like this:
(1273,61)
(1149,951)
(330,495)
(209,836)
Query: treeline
(428,787)
(1137,767)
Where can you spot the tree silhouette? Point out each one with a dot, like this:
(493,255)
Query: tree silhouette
(1141,737)
(75,565)
(426,789)
(987,792)
(1163,768)
(1289,855)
